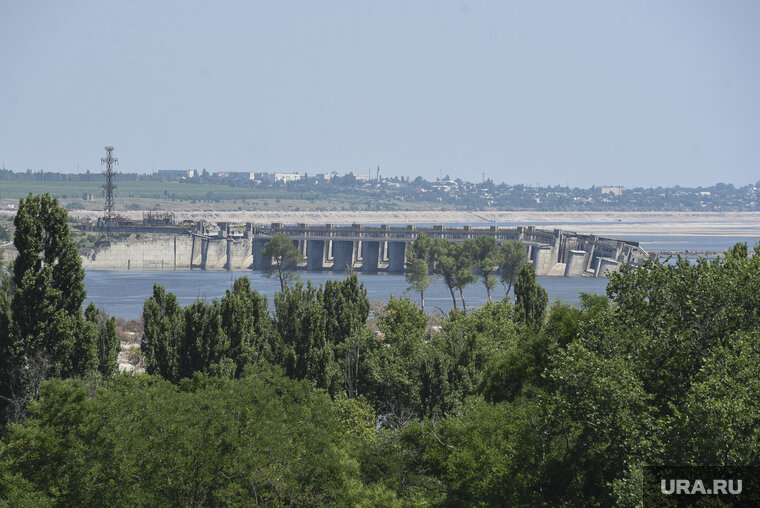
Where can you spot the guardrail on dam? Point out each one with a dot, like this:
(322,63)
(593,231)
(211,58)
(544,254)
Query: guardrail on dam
(359,248)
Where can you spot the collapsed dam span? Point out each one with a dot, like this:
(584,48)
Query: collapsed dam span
(357,248)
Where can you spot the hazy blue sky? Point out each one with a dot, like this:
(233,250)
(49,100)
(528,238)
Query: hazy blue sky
(566,92)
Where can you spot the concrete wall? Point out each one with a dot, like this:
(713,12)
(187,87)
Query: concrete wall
(542,259)
(607,266)
(575,265)
(239,255)
(158,253)
(216,255)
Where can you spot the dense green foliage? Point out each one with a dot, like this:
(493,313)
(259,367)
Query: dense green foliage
(221,337)
(320,402)
(263,439)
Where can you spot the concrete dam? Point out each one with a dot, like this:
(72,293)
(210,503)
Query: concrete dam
(357,248)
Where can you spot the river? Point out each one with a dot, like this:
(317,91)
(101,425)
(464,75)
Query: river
(122,293)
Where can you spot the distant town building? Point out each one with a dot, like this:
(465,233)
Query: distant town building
(287,177)
(277,177)
(615,191)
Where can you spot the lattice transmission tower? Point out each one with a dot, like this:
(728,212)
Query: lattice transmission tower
(109,222)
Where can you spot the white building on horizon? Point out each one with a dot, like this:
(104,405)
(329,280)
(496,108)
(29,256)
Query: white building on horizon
(277,177)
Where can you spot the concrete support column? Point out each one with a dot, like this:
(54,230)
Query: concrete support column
(607,266)
(358,260)
(382,262)
(575,264)
(301,245)
(542,259)
(204,252)
(359,250)
(558,244)
(196,253)
(589,257)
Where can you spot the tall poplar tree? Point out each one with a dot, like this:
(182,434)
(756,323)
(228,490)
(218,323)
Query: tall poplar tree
(444,264)
(203,345)
(530,299)
(164,329)
(108,340)
(44,333)
(513,256)
(300,319)
(246,322)
(488,258)
(464,263)
(418,266)
(346,311)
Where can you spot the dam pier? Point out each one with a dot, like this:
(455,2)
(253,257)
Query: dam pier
(353,248)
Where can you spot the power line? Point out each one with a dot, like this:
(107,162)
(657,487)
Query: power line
(108,223)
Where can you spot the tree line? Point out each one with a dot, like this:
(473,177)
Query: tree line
(319,402)
(461,264)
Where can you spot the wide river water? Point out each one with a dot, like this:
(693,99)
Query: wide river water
(122,293)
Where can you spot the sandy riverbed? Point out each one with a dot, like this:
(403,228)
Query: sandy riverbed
(729,224)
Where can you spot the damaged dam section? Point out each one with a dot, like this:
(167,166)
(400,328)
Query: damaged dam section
(355,248)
